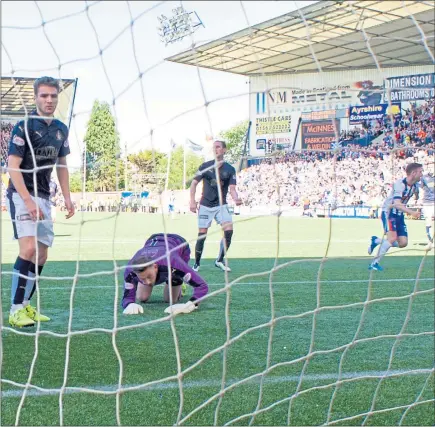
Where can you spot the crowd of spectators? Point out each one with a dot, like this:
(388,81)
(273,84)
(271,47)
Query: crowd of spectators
(352,174)
(323,182)
(415,125)
(6,130)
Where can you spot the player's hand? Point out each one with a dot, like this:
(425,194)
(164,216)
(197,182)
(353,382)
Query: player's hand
(193,207)
(416,214)
(238,202)
(33,209)
(188,307)
(133,308)
(69,205)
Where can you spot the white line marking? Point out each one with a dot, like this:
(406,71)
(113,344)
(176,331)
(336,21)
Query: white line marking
(39,391)
(266,283)
(128,241)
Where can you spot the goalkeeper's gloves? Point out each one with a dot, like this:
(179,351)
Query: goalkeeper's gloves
(133,308)
(188,307)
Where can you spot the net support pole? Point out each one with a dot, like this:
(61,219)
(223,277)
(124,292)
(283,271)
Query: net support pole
(125,168)
(85,153)
(72,103)
(296,134)
(168,169)
(184,165)
(245,146)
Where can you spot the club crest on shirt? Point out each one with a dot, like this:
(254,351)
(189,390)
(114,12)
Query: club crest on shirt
(152,252)
(59,135)
(17,140)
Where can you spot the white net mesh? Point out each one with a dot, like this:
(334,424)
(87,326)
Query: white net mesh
(299,333)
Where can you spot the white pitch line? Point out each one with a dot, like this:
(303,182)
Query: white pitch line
(266,283)
(217,383)
(128,241)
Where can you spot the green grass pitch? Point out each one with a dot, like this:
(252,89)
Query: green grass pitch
(298,325)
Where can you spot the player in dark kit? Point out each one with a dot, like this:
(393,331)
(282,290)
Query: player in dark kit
(210,207)
(36,145)
(150,267)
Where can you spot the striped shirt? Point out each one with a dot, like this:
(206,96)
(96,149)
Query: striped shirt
(401,191)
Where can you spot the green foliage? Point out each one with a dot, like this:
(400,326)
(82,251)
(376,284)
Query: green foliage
(105,168)
(146,161)
(102,150)
(144,169)
(75,182)
(176,168)
(235,138)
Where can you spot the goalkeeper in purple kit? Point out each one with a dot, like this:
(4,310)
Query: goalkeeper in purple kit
(150,267)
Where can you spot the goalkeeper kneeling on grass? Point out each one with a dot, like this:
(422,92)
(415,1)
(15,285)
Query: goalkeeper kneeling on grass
(150,267)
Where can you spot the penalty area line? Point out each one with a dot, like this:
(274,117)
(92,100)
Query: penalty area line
(266,283)
(173,384)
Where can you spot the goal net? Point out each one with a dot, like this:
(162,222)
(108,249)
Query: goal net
(322,106)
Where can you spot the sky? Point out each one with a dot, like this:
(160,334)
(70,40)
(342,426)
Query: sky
(64,39)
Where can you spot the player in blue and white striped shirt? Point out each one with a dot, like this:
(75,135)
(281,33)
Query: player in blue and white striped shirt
(393,214)
(428,183)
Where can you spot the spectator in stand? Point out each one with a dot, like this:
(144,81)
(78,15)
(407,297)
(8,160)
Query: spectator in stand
(362,174)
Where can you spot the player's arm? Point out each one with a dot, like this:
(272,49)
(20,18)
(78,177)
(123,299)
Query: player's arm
(397,204)
(63,177)
(14,163)
(200,287)
(196,180)
(398,189)
(187,275)
(17,150)
(192,278)
(129,298)
(233,190)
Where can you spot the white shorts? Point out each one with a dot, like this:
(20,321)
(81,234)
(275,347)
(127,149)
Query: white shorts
(428,212)
(23,225)
(53,212)
(219,213)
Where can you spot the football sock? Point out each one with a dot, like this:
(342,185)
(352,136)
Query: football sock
(31,282)
(378,241)
(382,251)
(21,268)
(199,247)
(228,234)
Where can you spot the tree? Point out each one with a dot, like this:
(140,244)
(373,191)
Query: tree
(177,166)
(235,138)
(75,182)
(143,168)
(103,164)
(145,161)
